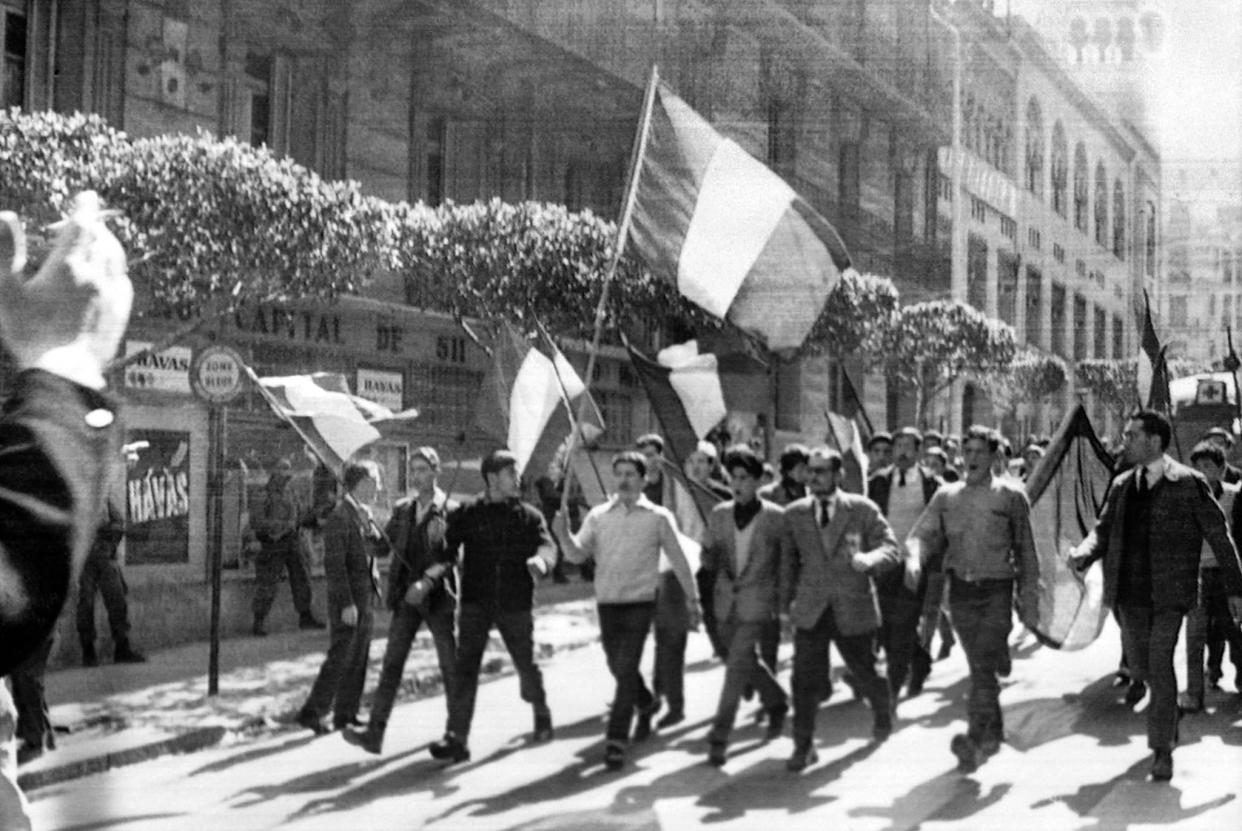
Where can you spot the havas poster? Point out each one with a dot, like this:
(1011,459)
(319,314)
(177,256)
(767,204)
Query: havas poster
(158,498)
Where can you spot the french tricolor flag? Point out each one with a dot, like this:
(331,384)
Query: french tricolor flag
(732,235)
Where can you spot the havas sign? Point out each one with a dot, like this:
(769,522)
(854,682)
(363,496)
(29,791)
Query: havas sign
(165,371)
(386,388)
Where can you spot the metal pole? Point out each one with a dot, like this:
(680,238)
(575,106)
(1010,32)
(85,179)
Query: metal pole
(217,416)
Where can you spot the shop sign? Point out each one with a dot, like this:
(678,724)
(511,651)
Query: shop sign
(157,491)
(217,374)
(384,388)
(165,371)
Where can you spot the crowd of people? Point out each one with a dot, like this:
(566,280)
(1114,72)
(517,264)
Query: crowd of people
(941,543)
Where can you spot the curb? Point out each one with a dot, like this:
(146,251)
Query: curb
(422,685)
(184,743)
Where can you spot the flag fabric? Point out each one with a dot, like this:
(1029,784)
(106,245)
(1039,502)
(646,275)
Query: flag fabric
(846,438)
(1067,491)
(686,393)
(528,394)
(732,235)
(333,422)
(1153,370)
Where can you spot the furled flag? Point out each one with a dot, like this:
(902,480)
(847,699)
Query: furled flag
(685,390)
(334,423)
(529,393)
(1153,370)
(1067,491)
(848,432)
(731,234)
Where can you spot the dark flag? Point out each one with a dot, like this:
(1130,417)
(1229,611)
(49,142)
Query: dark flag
(1066,491)
(1153,369)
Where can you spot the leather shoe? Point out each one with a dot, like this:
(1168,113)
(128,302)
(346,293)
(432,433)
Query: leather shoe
(1162,766)
(671,718)
(450,749)
(125,654)
(370,740)
(614,756)
(803,757)
(1135,694)
(258,630)
(642,726)
(344,723)
(968,754)
(309,622)
(776,722)
(717,753)
(543,728)
(89,658)
(312,722)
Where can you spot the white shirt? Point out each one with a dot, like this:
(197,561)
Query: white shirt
(905,502)
(1155,470)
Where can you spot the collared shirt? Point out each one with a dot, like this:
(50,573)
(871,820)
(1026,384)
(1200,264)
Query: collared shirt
(625,542)
(984,530)
(1154,470)
(742,539)
(905,502)
(826,503)
(438,497)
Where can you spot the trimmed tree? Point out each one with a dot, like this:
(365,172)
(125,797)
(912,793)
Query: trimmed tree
(1114,383)
(1031,378)
(927,346)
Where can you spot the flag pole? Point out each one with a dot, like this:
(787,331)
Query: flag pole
(569,409)
(623,232)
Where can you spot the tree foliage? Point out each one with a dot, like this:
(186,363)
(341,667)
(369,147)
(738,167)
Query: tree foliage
(854,317)
(1031,378)
(927,346)
(204,220)
(1114,383)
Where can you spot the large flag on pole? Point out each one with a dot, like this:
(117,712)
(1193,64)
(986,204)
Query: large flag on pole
(1153,369)
(528,396)
(334,423)
(732,235)
(1066,492)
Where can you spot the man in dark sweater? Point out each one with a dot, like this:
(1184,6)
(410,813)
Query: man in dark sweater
(505,547)
(421,583)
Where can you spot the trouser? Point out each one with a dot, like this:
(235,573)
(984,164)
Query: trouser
(744,665)
(274,558)
(623,629)
(933,619)
(1148,637)
(982,615)
(102,575)
(34,725)
(810,673)
(401,632)
(669,678)
(900,612)
(339,683)
(517,630)
(13,806)
(1218,623)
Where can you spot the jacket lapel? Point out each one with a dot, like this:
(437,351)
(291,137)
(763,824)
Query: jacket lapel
(831,535)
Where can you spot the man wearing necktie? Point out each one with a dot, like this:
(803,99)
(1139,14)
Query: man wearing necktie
(837,542)
(1150,534)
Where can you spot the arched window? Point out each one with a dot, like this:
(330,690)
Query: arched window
(1078,38)
(1151,240)
(1103,38)
(1101,204)
(1082,188)
(1119,220)
(1060,169)
(1125,39)
(1034,148)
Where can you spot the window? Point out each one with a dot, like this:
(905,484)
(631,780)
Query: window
(1058,253)
(1178,311)
(1101,334)
(1034,148)
(1119,338)
(1034,307)
(977,273)
(1101,205)
(437,139)
(261,93)
(256,123)
(1080,327)
(1034,238)
(1057,309)
(1078,38)
(848,177)
(617,409)
(1081,187)
(1009,227)
(1119,220)
(13,79)
(446,395)
(1060,170)
(1007,288)
(1150,242)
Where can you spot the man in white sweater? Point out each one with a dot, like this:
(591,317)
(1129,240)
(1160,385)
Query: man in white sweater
(625,536)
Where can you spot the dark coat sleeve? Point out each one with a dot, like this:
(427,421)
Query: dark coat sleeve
(56,442)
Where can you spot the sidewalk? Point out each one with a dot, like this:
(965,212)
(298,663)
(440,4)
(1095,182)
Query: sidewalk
(119,714)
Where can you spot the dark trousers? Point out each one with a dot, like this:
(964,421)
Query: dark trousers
(272,560)
(900,611)
(982,616)
(339,683)
(623,629)
(669,681)
(401,632)
(810,673)
(1219,628)
(1148,638)
(34,727)
(744,666)
(517,630)
(102,575)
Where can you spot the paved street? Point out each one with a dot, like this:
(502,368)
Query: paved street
(1076,759)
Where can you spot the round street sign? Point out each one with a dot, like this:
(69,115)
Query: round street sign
(216,374)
